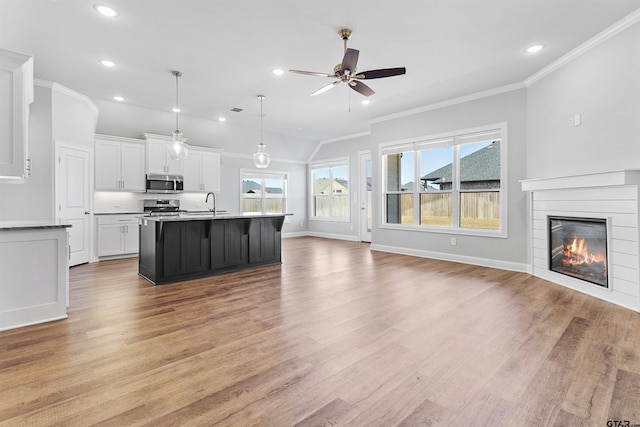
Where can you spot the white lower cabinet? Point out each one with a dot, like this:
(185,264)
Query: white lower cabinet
(117,235)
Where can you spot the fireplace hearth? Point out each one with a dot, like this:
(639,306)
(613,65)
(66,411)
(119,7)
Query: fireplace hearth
(578,248)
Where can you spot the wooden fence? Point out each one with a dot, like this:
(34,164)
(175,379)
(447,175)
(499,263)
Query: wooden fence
(477,209)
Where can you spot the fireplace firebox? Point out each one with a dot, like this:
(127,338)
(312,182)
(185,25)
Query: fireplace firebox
(578,248)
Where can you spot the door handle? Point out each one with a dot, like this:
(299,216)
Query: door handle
(87,212)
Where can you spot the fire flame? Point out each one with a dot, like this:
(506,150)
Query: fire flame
(577,253)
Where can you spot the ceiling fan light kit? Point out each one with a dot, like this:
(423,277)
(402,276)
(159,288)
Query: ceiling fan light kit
(346,71)
(261,158)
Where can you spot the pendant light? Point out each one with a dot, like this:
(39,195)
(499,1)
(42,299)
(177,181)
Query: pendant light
(261,159)
(178,149)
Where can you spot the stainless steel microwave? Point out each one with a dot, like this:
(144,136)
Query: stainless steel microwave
(159,183)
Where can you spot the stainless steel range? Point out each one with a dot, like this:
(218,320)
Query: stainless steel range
(162,207)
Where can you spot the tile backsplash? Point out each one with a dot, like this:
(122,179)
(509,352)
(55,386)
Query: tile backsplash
(124,202)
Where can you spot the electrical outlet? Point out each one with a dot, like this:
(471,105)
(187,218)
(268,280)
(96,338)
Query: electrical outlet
(570,122)
(454,241)
(577,119)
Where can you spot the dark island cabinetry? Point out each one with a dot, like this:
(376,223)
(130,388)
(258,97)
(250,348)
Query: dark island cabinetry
(173,249)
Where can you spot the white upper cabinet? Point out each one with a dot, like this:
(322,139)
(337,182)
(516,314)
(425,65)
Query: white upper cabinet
(119,164)
(158,158)
(202,170)
(16,93)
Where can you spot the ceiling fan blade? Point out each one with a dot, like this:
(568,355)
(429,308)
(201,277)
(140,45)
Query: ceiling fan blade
(325,88)
(378,74)
(361,88)
(350,60)
(311,73)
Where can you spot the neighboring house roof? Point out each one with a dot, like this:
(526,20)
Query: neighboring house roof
(408,186)
(268,190)
(322,185)
(482,165)
(251,187)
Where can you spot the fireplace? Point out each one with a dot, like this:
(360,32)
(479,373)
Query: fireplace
(578,248)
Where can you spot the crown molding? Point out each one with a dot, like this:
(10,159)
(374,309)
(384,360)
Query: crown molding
(118,138)
(594,41)
(453,101)
(72,93)
(337,139)
(345,137)
(250,157)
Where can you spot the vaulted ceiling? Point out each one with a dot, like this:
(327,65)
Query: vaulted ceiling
(227,49)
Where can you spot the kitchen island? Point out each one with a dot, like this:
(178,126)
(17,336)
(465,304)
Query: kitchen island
(189,246)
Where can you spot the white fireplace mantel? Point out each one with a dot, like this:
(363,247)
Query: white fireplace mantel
(594,180)
(614,196)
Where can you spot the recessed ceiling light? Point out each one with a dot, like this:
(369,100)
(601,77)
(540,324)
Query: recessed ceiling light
(176,110)
(222,119)
(366,102)
(278,71)
(108,63)
(535,48)
(118,98)
(106,10)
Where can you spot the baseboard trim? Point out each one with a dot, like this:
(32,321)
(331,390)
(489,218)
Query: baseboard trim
(483,262)
(333,236)
(295,234)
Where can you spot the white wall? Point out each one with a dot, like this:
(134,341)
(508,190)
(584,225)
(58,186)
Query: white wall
(348,230)
(74,118)
(230,188)
(129,121)
(57,113)
(34,198)
(238,145)
(229,197)
(509,252)
(603,86)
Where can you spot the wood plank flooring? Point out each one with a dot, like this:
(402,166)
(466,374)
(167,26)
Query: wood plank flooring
(336,335)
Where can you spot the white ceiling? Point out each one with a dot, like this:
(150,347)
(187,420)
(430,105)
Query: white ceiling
(226,50)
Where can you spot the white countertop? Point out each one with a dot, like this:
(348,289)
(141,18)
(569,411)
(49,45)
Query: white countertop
(205,216)
(32,224)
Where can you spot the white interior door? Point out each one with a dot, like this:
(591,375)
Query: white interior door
(73,199)
(365,196)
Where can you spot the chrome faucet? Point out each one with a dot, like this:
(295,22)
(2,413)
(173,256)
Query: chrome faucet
(214,201)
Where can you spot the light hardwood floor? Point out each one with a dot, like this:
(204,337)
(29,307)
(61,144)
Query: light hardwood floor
(336,335)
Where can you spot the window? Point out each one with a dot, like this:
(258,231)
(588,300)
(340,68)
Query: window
(330,190)
(264,192)
(453,183)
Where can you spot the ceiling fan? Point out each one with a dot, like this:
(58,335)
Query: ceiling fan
(346,71)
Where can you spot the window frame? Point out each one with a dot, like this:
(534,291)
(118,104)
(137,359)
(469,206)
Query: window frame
(329,164)
(415,144)
(263,175)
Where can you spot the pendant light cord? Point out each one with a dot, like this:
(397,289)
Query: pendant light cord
(177,74)
(261,116)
